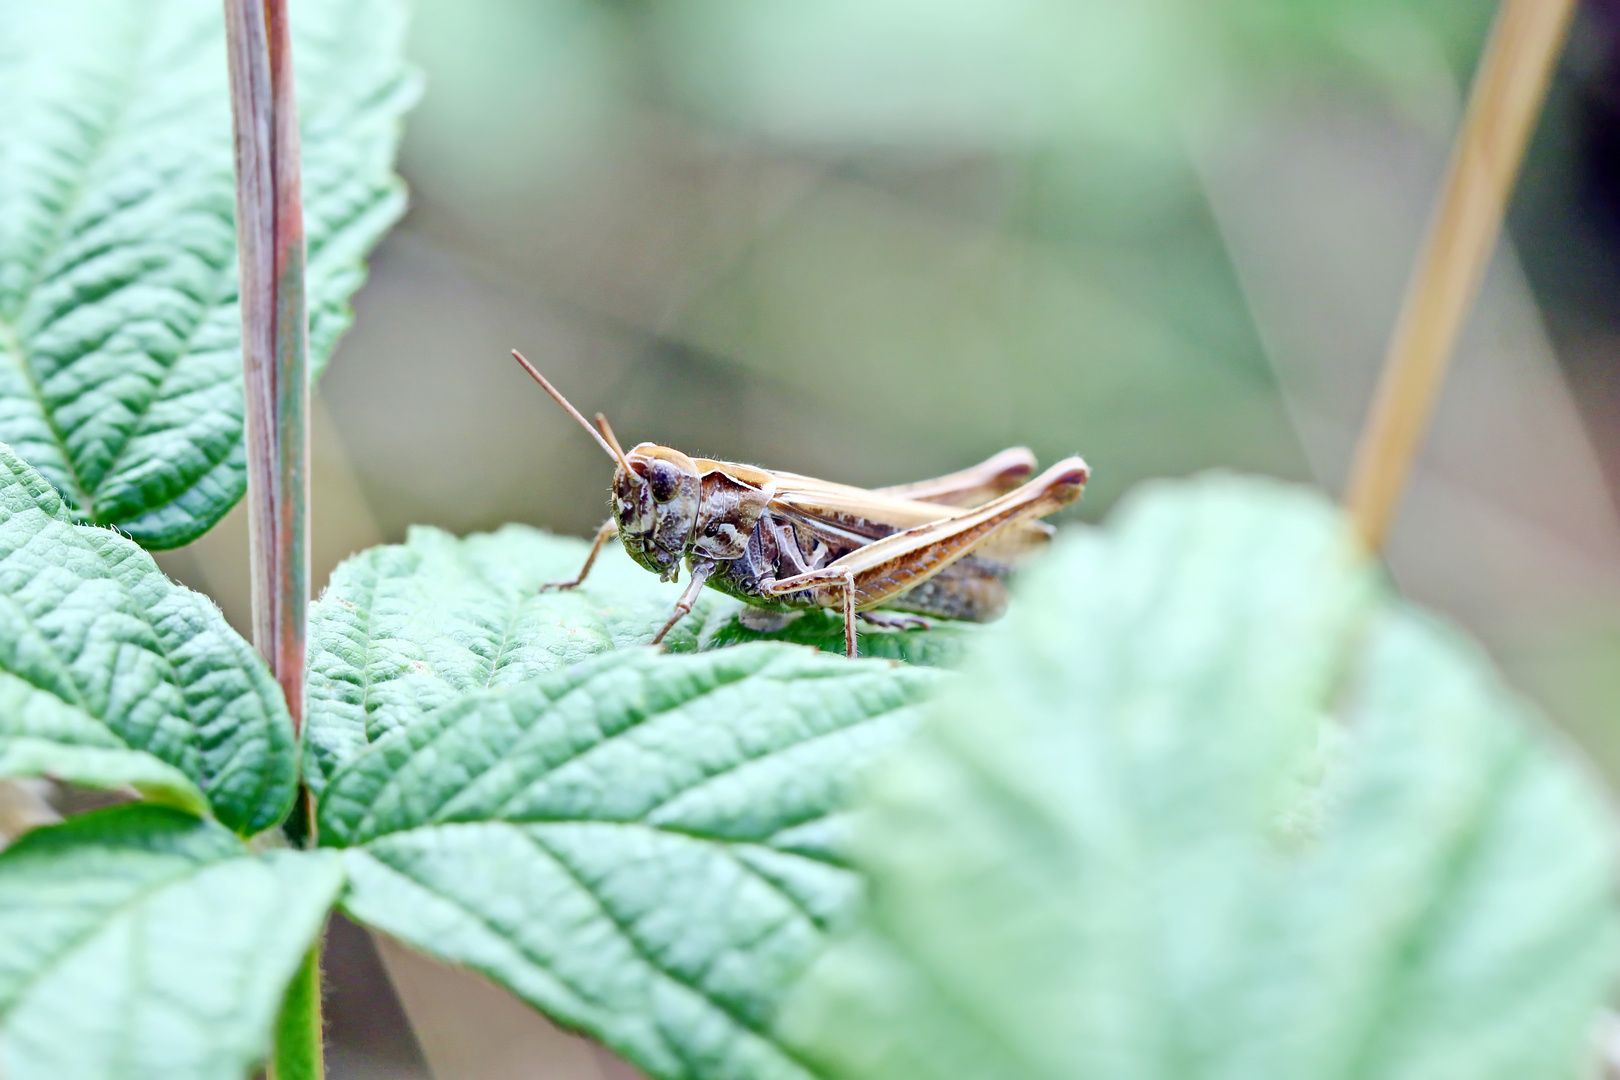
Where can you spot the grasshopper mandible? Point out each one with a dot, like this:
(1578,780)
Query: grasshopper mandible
(780,542)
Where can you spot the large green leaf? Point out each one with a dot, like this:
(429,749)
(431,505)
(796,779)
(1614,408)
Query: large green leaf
(647,847)
(142,942)
(406,629)
(1107,856)
(111,674)
(120,361)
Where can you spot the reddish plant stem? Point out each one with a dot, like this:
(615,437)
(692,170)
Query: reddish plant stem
(275,352)
(275,370)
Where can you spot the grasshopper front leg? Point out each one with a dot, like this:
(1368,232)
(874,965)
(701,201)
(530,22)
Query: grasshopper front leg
(700,574)
(609,529)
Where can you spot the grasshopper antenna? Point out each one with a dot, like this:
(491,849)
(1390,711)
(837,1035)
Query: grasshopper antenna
(607,430)
(612,447)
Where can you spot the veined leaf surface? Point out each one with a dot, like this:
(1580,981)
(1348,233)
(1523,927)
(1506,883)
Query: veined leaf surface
(142,942)
(112,674)
(404,629)
(120,352)
(1106,855)
(647,847)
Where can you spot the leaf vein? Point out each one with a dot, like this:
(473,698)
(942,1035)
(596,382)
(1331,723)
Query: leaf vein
(651,961)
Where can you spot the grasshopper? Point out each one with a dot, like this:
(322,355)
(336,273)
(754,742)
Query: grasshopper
(782,543)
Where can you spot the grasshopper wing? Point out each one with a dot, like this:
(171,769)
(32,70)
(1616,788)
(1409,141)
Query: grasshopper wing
(846,517)
(971,487)
(884,568)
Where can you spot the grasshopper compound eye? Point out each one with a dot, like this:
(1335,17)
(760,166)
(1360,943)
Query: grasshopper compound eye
(665,481)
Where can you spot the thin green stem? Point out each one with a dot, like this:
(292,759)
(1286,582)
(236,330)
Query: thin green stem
(298,1028)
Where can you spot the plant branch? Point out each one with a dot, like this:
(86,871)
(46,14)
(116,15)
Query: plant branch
(275,372)
(275,351)
(1502,107)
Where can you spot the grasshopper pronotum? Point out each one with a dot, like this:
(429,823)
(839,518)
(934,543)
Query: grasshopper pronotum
(780,542)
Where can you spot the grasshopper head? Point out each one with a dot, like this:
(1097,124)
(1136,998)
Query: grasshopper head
(656,491)
(655,502)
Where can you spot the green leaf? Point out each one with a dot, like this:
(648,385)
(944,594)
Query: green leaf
(111,674)
(1088,863)
(142,942)
(72,745)
(647,847)
(120,358)
(1468,875)
(942,644)
(406,629)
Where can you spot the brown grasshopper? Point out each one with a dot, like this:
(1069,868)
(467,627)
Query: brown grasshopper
(780,542)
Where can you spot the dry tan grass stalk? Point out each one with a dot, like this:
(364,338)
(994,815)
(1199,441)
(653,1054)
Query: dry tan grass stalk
(1502,107)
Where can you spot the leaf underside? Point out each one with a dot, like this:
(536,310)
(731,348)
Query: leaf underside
(406,629)
(140,942)
(120,357)
(111,674)
(648,847)
(1109,854)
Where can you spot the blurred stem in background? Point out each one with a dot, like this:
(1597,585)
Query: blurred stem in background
(1508,91)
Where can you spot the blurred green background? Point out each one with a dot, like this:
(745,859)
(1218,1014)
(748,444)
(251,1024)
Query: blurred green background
(875,240)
